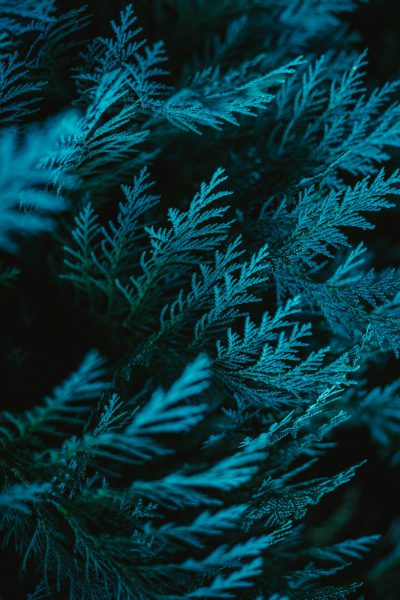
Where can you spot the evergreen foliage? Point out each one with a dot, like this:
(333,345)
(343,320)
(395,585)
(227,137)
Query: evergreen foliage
(197,202)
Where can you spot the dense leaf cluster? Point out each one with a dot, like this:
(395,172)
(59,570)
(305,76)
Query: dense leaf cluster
(200,196)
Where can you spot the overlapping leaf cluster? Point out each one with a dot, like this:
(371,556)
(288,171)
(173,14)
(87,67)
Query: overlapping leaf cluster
(207,207)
